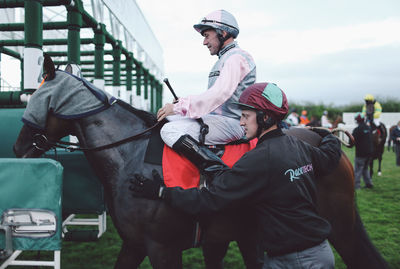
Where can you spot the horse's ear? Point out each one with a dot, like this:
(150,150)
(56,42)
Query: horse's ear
(68,68)
(73,69)
(49,68)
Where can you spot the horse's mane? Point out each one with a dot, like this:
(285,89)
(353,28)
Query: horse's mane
(150,119)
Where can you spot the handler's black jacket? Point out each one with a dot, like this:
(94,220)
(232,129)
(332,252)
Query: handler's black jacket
(395,134)
(363,140)
(276,179)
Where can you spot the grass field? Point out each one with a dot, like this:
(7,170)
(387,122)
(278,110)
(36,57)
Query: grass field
(379,209)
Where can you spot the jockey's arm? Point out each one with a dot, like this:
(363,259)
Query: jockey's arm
(196,106)
(378,110)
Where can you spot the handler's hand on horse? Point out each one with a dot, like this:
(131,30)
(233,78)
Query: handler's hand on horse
(165,111)
(147,188)
(321,131)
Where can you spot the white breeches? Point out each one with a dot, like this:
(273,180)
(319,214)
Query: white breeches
(222,130)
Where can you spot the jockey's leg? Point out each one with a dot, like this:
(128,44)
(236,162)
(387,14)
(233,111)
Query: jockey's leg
(222,130)
(377,122)
(182,136)
(203,158)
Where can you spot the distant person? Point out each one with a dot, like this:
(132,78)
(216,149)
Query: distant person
(234,71)
(303,118)
(314,122)
(293,118)
(325,122)
(364,149)
(396,140)
(372,111)
(271,180)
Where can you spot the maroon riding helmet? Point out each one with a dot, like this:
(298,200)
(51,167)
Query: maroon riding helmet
(265,97)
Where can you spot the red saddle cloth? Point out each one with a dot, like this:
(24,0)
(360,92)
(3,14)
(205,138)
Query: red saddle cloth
(179,171)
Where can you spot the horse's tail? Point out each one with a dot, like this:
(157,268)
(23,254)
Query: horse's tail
(366,256)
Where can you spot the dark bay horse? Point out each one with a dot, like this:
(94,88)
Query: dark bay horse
(152,228)
(378,139)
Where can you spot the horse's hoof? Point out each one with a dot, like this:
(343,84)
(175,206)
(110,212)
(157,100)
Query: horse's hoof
(379,173)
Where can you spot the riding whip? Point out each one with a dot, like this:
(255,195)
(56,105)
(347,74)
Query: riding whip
(170,88)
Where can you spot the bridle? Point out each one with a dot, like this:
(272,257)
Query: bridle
(41,142)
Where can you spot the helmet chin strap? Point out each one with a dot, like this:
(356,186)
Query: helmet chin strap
(263,124)
(221,38)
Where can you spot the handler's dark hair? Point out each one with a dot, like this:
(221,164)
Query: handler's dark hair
(264,124)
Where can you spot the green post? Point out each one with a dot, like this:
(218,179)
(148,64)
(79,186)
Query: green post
(152,95)
(74,19)
(138,79)
(99,41)
(117,68)
(159,95)
(146,84)
(22,73)
(33,54)
(128,64)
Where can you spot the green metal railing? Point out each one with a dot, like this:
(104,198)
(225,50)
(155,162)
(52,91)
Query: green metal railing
(126,71)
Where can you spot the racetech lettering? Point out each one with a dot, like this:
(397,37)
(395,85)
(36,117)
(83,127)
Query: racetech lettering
(296,173)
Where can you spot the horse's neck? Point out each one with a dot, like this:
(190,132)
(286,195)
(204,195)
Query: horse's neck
(107,127)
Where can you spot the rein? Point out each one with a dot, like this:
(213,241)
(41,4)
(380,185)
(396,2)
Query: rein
(349,144)
(42,143)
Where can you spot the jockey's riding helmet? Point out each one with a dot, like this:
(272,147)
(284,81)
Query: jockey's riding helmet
(369,97)
(219,20)
(359,117)
(304,112)
(265,97)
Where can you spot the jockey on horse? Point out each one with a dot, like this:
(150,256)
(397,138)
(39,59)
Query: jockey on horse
(232,73)
(372,111)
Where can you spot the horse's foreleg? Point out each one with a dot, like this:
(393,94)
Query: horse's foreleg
(214,254)
(253,257)
(379,165)
(163,256)
(130,257)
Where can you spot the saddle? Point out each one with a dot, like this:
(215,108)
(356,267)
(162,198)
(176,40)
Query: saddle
(179,171)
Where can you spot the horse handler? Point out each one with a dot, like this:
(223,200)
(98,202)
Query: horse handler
(277,179)
(364,150)
(396,139)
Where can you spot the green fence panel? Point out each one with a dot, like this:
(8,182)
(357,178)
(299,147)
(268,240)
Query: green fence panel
(83,192)
(10,125)
(32,184)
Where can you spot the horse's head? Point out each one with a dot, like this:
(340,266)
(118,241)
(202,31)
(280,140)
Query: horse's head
(51,110)
(33,142)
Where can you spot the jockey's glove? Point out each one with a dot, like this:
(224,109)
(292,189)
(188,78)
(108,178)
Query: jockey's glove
(321,131)
(147,188)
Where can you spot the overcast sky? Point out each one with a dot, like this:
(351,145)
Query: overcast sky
(330,51)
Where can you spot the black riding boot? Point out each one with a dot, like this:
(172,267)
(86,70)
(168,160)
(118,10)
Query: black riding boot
(203,158)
